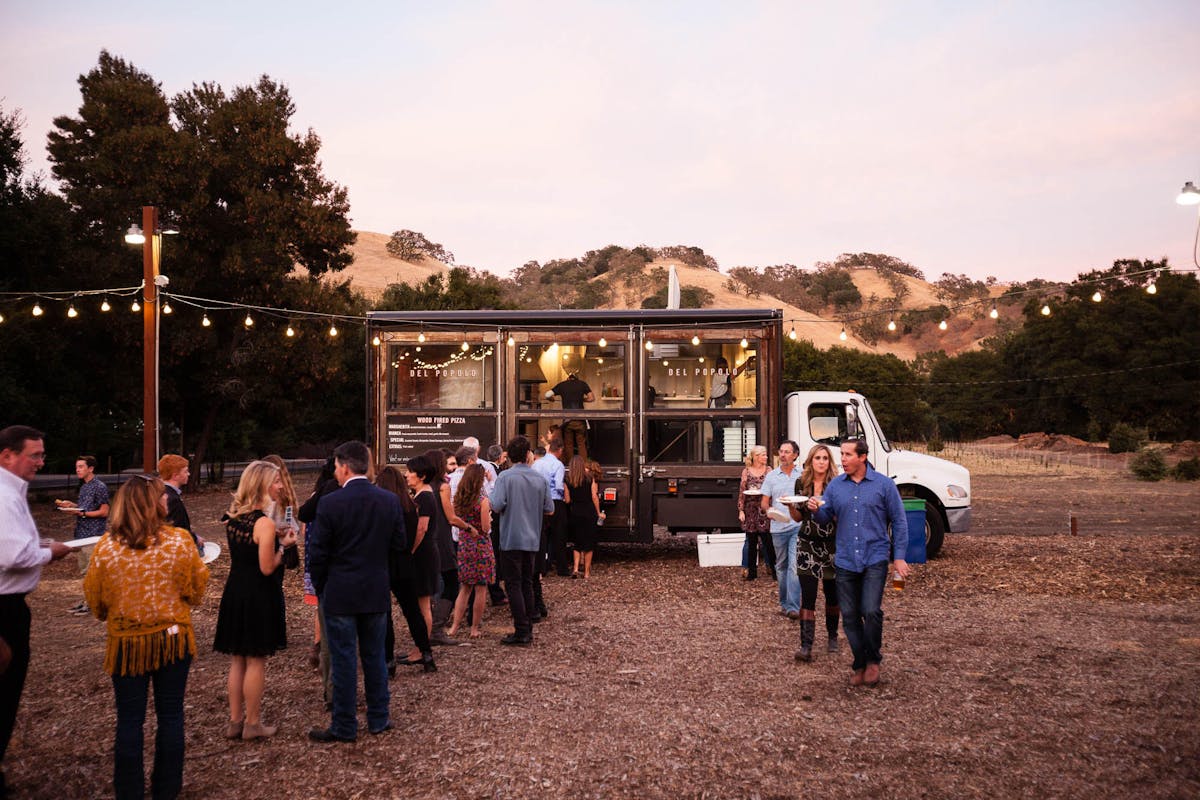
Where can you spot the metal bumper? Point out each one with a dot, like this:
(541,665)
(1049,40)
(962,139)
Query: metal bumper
(959,519)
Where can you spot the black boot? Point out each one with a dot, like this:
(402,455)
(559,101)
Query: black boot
(831,627)
(427,664)
(807,626)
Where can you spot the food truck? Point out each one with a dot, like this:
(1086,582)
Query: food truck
(673,400)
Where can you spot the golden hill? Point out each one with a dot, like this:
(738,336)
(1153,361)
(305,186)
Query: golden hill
(374,269)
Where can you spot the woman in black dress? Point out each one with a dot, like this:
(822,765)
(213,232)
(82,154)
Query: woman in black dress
(423,548)
(583,512)
(251,624)
(402,573)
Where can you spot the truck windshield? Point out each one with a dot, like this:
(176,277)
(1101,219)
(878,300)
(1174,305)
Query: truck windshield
(883,440)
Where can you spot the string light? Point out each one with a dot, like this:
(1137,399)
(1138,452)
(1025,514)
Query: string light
(333,331)
(792,333)
(167,308)
(994,313)
(603,342)
(290,332)
(421,337)
(1,318)
(512,341)
(105,306)
(649,345)
(891,324)
(375,341)
(205,321)
(1151,288)
(466,347)
(942,325)
(71,312)
(249,322)
(1097,297)
(37,310)
(1046,310)
(744,343)
(135,306)
(695,340)
(842,335)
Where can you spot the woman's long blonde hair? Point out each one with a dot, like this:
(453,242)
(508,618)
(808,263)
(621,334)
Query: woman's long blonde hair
(137,513)
(254,489)
(807,476)
(752,452)
(288,496)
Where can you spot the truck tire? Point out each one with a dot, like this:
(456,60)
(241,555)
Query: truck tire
(935,530)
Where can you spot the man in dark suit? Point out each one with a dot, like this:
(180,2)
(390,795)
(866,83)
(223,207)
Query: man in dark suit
(358,527)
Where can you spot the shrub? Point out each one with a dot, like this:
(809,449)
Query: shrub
(1186,470)
(1148,465)
(1125,438)
(935,445)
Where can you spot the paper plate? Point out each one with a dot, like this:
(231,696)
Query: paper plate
(75,544)
(212,551)
(753,492)
(778,516)
(69,509)
(794,499)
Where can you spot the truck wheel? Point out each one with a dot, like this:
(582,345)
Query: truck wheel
(935,530)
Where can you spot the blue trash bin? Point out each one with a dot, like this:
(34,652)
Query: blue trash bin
(914,512)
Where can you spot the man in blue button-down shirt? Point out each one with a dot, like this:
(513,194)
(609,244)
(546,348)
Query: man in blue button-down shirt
(781,482)
(864,503)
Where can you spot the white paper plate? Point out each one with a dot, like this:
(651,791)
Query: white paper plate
(75,544)
(753,492)
(778,516)
(794,499)
(212,551)
(69,509)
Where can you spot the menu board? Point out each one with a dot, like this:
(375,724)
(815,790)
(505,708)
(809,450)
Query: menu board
(409,435)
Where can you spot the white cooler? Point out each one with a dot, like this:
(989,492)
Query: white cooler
(720,549)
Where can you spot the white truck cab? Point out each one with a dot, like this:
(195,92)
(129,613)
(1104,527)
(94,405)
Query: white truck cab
(830,418)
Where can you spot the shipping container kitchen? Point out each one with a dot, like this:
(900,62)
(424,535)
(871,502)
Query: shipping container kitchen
(678,398)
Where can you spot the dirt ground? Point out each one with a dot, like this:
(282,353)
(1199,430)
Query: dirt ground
(1023,661)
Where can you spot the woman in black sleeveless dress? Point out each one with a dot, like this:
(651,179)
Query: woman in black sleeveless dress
(583,513)
(251,624)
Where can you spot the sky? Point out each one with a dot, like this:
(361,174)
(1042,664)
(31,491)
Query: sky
(1011,139)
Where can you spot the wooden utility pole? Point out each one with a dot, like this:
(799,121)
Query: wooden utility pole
(150,257)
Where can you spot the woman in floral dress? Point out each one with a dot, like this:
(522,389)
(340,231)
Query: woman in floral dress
(753,518)
(476,561)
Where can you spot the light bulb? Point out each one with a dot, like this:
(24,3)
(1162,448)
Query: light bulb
(135,306)
(942,325)
(375,341)
(1097,297)
(205,321)
(72,313)
(666,363)
(649,345)
(37,310)
(167,308)
(290,332)
(695,340)
(842,335)
(421,337)
(891,324)
(512,341)
(792,333)
(249,321)
(701,359)
(1151,288)
(1045,310)
(467,347)
(599,360)
(994,313)
(603,342)
(1,318)
(744,343)
(333,331)
(105,306)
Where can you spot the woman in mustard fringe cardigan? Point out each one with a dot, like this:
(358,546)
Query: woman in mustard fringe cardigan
(144,577)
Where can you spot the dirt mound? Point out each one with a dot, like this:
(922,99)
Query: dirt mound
(1058,443)
(998,439)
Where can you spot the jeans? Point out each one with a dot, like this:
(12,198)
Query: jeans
(785,569)
(750,553)
(860,594)
(518,568)
(166,780)
(367,631)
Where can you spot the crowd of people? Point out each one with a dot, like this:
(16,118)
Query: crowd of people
(442,537)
